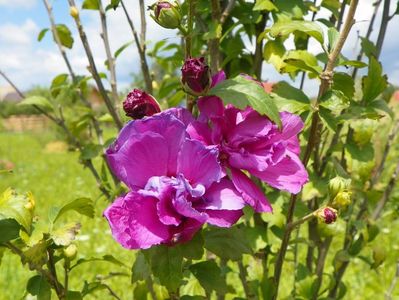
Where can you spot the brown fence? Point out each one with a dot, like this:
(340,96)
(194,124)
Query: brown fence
(25,123)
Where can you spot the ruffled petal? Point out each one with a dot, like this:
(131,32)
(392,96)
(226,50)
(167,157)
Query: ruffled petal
(199,164)
(218,77)
(289,174)
(251,193)
(210,106)
(139,159)
(223,218)
(134,222)
(222,196)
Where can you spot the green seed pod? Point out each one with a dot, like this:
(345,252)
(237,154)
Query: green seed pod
(70,252)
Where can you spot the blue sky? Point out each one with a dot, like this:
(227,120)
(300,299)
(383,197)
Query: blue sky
(29,62)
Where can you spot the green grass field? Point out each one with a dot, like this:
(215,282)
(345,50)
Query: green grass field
(57,177)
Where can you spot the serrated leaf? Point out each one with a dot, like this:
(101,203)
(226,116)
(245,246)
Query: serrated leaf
(301,60)
(42,33)
(194,249)
(39,287)
(381,105)
(368,47)
(73,295)
(18,207)
(39,101)
(285,28)
(344,83)
(374,83)
(289,98)
(65,35)
(210,276)
(90,4)
(106,258)
(166,265)
(36,255)
(90,151)
(227,243)
(114,4)
(264,5)
(83,206)
(242,92)
(65,235)
(352,63)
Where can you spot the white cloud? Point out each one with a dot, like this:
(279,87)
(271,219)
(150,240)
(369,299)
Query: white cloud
(15,34)
(18,3)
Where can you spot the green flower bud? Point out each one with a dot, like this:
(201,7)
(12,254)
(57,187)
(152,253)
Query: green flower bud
(379,255)
(70,252)
(363,131)
(166,14)
(342,199)
(74,12)
(338,184)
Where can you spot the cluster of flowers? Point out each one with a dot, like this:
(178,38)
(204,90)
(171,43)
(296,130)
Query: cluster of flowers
(183,172)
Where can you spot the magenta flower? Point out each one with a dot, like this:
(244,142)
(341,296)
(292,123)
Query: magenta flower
(176,183)
(139,104)
(249,141)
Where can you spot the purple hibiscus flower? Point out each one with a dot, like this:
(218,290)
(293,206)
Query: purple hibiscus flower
(175,183)
(249,141)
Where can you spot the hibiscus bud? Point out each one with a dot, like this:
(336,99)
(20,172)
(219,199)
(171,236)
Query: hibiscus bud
(196,76)
(342,199)
(166,14)
(74,12)
(337,185)
(139,104)
(327,215)
(70,252)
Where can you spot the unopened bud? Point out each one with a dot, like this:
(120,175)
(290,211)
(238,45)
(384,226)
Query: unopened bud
(196,76)
(71,251)
(327,215)
(74,12)
(139,104)
(30,205)
(337,185)
(342,199)
(166,14)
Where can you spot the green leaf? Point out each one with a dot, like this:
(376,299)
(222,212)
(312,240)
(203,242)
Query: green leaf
(368,47)
(73,295)
(65,35)
(121,48)
(301,60)
(273,53)
(210,276)
(106,258)
(59,80)
(352,63)
(18,207)
(285,28)
(90,151)
(114,4)
(344,83)
(9,230)
(167,266)
(42,33)
(39,287)
(140,269)
(333,36)
(328,119)
(36,255)
(65,235)
(214,32)
(242,92)
(194,249)
(227,243)
(90,4)
(335,101)
(264,5)
(39,101)
(381,105)
(374,83)
(83,206)
(289,98)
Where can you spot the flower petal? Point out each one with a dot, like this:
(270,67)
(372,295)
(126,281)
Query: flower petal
(223,218)
(250,191)
(218,77)
(210,106)
(222,196)
(142,157)
(134,222)
(289,174)
(198,163)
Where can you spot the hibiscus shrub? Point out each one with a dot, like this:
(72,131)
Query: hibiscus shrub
(213,169)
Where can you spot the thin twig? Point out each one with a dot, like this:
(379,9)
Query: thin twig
(94,72)
(383,27)
(226,12)
(213,44)
(110,57)
(242,272)
(388,294)
(141,50)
